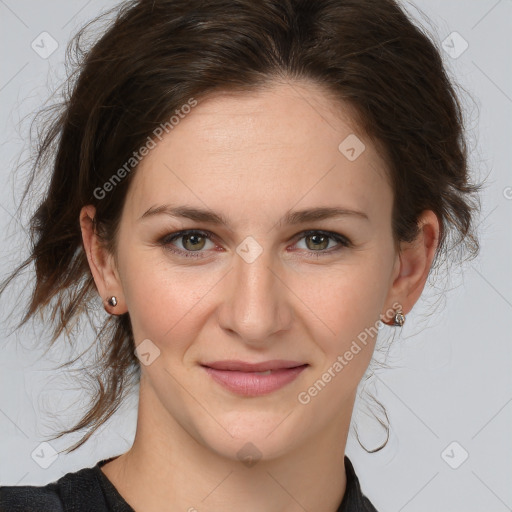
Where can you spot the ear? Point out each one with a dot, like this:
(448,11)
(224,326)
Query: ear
(412,266)
(101,263)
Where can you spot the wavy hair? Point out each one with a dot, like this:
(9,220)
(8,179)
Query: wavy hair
(153,56)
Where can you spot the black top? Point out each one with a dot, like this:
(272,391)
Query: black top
(89,490)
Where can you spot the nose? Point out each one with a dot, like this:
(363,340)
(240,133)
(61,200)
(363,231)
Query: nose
(256,304)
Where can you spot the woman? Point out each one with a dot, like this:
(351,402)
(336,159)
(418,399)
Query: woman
(252,188)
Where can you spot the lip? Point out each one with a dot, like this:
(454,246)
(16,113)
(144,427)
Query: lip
(242,378)
(242,366)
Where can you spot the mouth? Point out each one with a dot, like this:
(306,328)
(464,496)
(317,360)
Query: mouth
(254,379)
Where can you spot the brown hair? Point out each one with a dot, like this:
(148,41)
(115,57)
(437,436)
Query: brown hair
(157,55)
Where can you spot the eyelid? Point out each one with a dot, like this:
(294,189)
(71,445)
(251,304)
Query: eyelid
(336,236)
(167,239)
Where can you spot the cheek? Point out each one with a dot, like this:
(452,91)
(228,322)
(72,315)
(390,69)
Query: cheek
(345,300)
(163,301)
(348,304)
(345,336)
(335,304)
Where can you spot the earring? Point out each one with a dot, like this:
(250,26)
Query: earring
(399,318)
(112,301)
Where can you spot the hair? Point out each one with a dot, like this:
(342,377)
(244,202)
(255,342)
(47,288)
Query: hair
(154,57)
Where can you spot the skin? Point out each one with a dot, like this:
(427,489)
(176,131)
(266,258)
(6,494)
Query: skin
(252,158)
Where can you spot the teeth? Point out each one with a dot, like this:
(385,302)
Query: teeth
(267,372)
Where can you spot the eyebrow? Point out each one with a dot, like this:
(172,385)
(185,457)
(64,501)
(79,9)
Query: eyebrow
(290,218)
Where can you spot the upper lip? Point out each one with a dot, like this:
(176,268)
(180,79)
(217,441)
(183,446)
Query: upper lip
(243,366)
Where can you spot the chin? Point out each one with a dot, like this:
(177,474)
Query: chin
(257,438)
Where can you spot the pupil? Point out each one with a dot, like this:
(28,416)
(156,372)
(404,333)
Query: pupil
(194,239)
(315,237)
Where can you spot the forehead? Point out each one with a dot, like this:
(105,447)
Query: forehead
(280,144)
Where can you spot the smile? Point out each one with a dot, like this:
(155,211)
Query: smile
(251,379)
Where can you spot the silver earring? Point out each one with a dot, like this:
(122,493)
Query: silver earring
(399,318)
(112,301)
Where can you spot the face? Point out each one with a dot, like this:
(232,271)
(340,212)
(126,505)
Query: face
(267,285)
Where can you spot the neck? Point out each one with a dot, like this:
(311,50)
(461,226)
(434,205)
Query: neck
(168,469)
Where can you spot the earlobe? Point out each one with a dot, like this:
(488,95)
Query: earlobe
(101,263)
(414,262)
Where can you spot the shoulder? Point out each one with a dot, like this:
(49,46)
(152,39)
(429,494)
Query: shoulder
(72,492)
(30,497)
(354,499)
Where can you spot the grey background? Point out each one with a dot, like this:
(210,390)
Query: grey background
(451,378)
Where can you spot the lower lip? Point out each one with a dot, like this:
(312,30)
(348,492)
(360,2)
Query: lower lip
(254,384)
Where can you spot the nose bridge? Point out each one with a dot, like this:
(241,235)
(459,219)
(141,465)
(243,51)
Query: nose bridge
(256,305)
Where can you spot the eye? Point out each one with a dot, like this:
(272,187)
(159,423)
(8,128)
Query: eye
(317,242)
(193,241)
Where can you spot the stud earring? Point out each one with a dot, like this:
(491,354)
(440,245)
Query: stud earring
(112,301)
(399,318)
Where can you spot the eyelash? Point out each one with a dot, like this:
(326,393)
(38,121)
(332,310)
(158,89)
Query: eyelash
(167,239)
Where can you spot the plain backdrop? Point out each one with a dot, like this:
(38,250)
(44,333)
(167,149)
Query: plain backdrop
(448,394)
